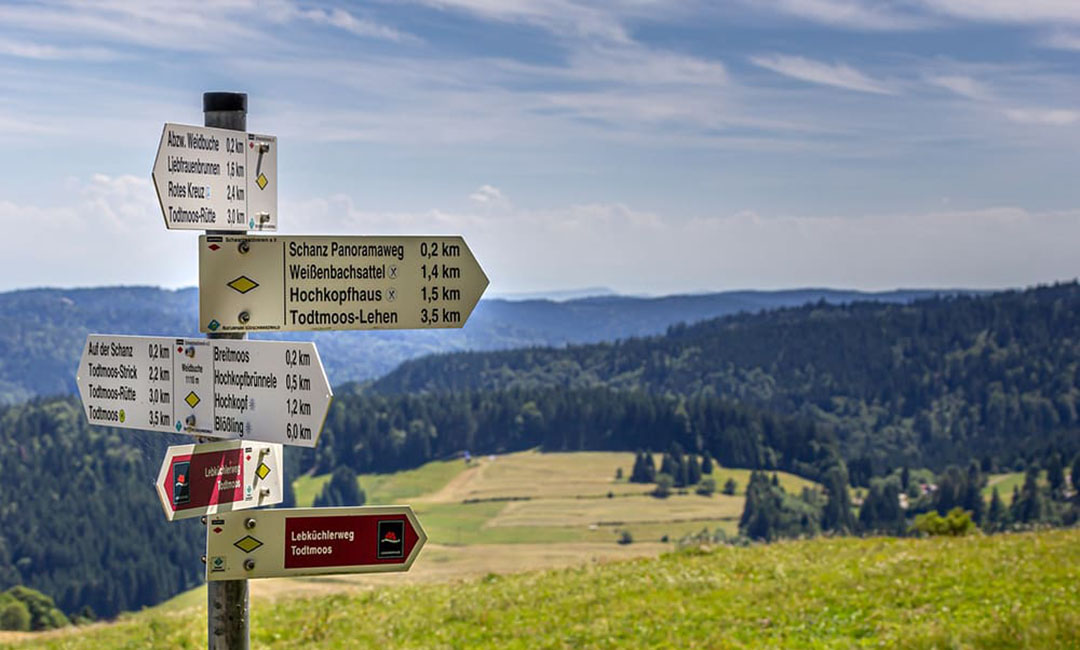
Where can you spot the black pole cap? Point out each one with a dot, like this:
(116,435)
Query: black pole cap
(224,102)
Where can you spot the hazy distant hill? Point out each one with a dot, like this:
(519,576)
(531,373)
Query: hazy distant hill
(42,330)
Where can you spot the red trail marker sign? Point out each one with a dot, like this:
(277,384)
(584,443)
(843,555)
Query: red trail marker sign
(195,480)
(312,541)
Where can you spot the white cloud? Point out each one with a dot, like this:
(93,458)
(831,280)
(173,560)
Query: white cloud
(1063,41)
(1043,116)
(46,52)
(852,14)
(639,65)
(1051,12)
(874,15)
(615,245)
(562,17)
(838,75)
(488,195)
(962,85)
(111,233)
(221,26)
(359,26)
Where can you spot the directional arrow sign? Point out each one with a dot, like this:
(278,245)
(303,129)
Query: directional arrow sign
(216,179)
(274,391)
(336,283)
(312,541)
(218,477)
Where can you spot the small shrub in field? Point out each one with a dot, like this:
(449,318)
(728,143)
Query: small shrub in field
(730,487)
(626,538)
(956,524)
(707,487)
(664,483)
(14,615)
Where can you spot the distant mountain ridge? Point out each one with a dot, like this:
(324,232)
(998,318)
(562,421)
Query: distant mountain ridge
(42,331)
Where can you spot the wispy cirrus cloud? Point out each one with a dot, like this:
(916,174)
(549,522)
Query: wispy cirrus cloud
(848,14)
(46,52)
(1043,116)
(173,25)
(1050,12)
(562,17)
(355,25)
(837,75)
(902,15)
(961,85)
(1060,40)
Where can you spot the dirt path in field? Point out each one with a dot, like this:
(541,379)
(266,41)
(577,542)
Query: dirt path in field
(457,489)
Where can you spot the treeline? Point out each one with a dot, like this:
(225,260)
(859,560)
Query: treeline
(925,384)
(42,331)
(914,502)
(80,520)
(368,432)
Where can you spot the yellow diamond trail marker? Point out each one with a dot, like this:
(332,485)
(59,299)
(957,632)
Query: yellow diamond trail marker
(269,391)
(215,477)
(312,541)
(242,284)
(247,544)
(263,470)
(215,179)
(267,283)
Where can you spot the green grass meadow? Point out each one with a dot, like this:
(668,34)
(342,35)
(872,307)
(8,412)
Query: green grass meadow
(386,489)
(1005,591)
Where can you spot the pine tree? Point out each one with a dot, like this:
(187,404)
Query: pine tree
(1075,476)
(1055,474)
(757,517)
(972,498)
(669,466)
(905,478)
(693,470)
(637,474)
(343,489)
(650,468)
(995,516)
(707,464)
(837,515)
(1028,506)
(881,511)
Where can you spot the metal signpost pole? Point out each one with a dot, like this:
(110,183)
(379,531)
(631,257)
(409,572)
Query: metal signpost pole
(227,603)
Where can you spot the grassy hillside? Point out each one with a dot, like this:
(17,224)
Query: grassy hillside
(1007,591)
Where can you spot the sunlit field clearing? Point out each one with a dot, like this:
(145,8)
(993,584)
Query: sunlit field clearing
(630,509)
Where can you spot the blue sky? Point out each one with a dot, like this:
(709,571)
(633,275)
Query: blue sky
(651,147)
